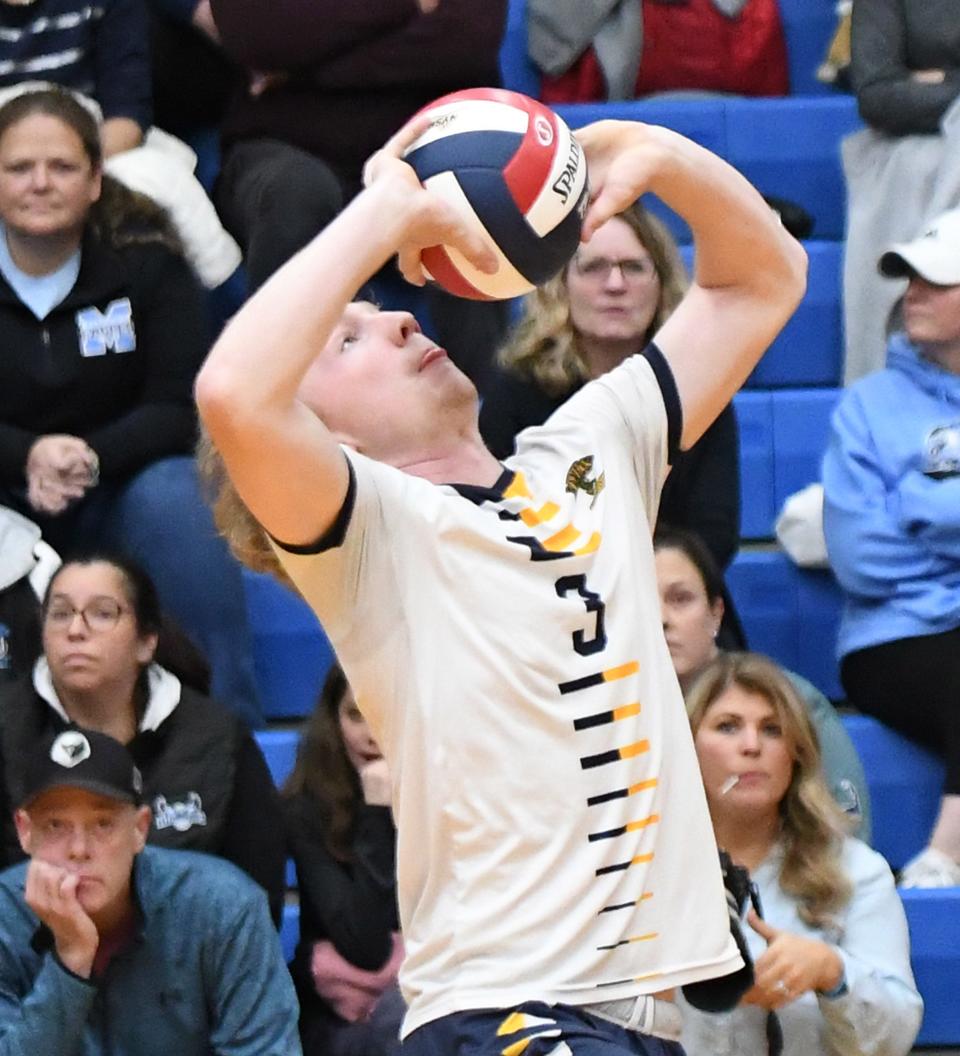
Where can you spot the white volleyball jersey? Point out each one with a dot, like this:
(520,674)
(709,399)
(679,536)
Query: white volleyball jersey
(506,647)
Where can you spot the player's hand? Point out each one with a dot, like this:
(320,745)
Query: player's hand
(51,892)
(429,219)
(375,783)
(790,966)
(59,470)
(622,159)
(428,6)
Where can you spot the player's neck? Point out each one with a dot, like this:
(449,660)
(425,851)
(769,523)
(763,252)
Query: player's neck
(466,461)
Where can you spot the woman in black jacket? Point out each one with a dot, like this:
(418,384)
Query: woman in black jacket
(104,330)
(111,663)
(341,836)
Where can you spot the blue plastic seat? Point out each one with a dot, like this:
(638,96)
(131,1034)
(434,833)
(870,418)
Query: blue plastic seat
(801,430)
(517,72)
(789,613)
(905,784)
(809,349)
(758,505)
(291,653)
(933,917)
(808,26)
(790,148)
(279,748)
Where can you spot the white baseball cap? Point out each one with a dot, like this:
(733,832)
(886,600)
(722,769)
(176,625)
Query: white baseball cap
(934,255)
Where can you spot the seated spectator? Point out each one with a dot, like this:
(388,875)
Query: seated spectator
(104,332)
(831,954)
(26,564)
(110,946)
(891,480)
(203,774)
(612,50)
(607,304)
(691,603)
(904,169)
(102,52)
(342,839)
(328,81)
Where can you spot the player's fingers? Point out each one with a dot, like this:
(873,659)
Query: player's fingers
(394,148)
(411,268)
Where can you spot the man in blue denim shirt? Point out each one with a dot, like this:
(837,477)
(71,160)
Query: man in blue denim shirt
(108,947)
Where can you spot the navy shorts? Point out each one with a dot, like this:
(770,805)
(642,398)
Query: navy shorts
(532,1029)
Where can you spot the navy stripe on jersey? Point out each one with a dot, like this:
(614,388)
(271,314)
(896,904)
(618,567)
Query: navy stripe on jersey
(671,398)
(334,535)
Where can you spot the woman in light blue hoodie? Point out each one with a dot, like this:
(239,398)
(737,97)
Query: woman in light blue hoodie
(892,521)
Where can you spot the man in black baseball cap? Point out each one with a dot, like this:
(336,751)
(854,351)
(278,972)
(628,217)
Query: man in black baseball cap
(138,949)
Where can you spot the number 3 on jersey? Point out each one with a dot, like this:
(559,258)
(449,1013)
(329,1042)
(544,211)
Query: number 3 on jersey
(583,645)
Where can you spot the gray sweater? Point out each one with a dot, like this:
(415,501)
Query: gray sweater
(891,39)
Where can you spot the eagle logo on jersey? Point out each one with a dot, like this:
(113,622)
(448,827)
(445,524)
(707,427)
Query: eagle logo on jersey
(578,479)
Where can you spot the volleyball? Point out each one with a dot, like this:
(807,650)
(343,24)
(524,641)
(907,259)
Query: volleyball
(512,166)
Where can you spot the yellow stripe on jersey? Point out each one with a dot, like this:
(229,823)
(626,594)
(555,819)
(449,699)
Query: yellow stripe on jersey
(629,751)
(517,488)
(590,546)
(642,823)
(642,786)
(562,539)
(532,518)
(522,1021)
(517,1047)
(623,671)
(626,711)
(644,938)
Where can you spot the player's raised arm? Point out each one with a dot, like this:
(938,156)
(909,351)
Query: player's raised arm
(749,273)
(253,390)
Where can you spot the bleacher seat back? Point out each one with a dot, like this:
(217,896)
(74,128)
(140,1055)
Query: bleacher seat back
(291,654)
(790,148)
(905,784)
(809,26)
(933,916)
(517,72)
(757,506)
(801,431)
(279,747)
(809,349)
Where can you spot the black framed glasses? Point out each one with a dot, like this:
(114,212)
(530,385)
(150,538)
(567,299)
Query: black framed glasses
(632,269)
(98,615)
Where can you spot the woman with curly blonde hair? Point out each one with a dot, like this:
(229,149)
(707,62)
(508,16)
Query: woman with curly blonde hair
(606,305)
(832,951)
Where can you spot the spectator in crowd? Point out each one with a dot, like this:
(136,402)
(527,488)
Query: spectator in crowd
(904,169)
(464,600)
(204,775)
(104,331)
(26,564)
(891,479)
(328,82)
(691,604)
(102,52)
(107,945)
(341,836)
(606,305)
(831,954)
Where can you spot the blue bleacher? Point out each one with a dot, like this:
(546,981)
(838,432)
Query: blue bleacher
(291,654)
(933,917)
(279,747)
(758,506)
(809,350)
(904,782)
(808,26)
(789,613)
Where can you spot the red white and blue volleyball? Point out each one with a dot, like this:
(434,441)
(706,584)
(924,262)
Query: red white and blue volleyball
(511,165)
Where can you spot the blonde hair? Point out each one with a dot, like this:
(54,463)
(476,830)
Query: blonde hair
(812,825)
(544,345)
(246,538)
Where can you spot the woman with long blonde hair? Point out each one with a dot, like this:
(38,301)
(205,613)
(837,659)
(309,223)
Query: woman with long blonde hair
(606,305)
(831,954)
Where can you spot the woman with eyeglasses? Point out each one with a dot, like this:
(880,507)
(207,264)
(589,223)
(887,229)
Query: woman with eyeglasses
(112,663)
(614,295)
